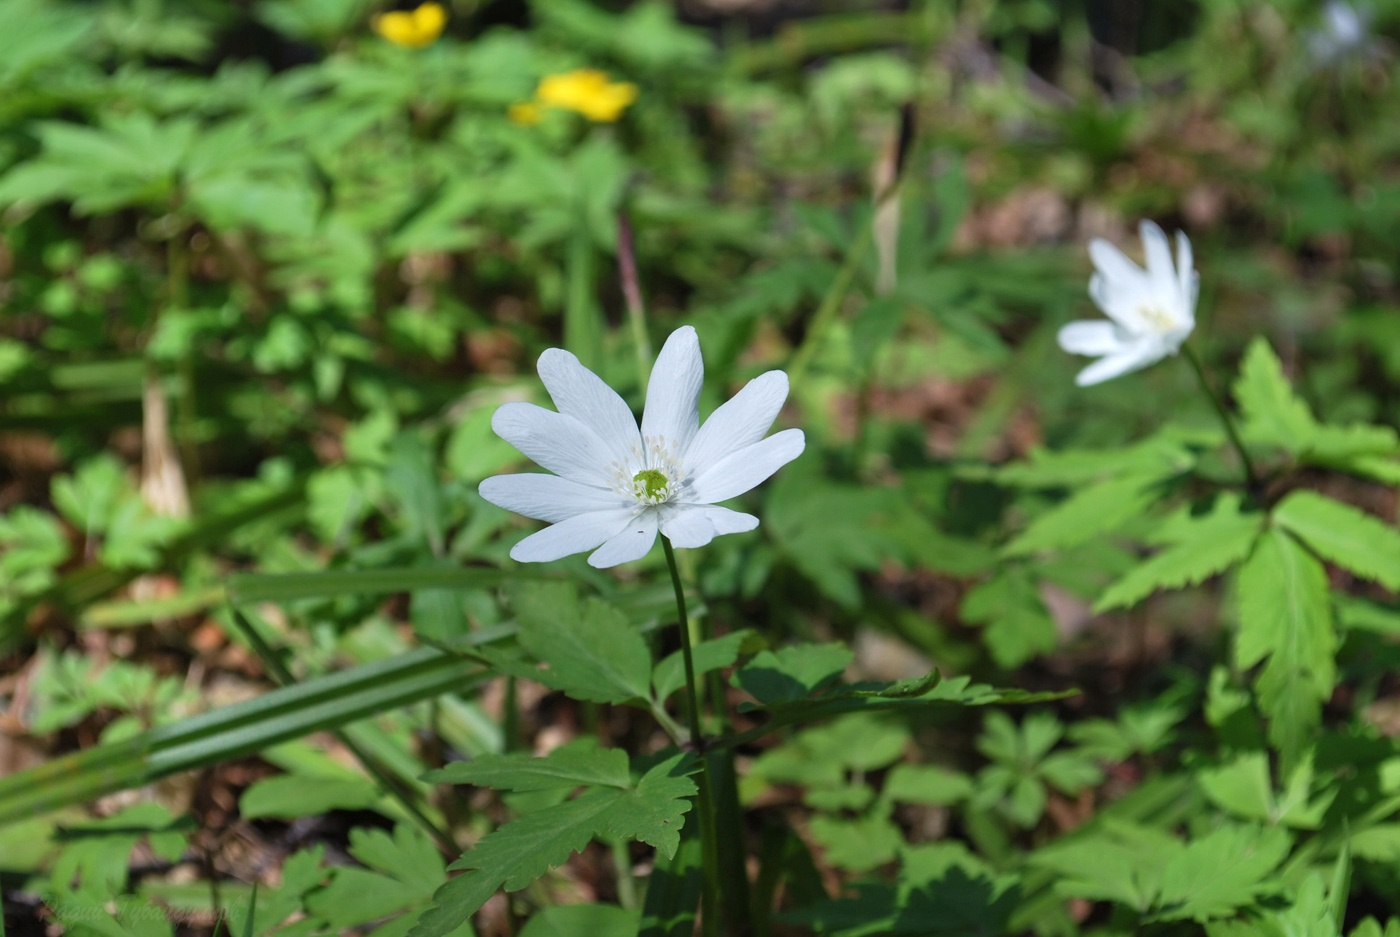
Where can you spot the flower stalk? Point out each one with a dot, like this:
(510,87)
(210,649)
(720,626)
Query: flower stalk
(1250,478)
(709,841)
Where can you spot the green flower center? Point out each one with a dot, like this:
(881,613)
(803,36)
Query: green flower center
(651,485)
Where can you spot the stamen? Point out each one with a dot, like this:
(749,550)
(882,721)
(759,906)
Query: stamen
(1156,318)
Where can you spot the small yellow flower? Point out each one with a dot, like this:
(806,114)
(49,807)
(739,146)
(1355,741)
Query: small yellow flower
(524,113)
(587,91)
(412,29)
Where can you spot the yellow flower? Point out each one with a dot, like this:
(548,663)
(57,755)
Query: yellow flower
(412,29)
(524,113)
(587,91)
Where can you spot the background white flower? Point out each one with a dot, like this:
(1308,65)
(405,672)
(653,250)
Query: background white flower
(614,486)
(1151,311)
(1345,34)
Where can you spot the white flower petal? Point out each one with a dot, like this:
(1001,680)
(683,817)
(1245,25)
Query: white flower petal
(578,534)
(1121,300)
(1188,280)
(631,543)
(746,468)
(556,441)
(1095,337)
(584,396)
(1114,264)
(1161,273)
(694,525)
(673,393)
(1133,358)
(741,421)
(548,497)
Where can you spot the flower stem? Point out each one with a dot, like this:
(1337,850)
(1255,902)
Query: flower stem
(709,851)
(1250,479)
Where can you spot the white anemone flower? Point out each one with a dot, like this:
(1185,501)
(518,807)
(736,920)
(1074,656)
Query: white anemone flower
(1151,311)
(614,486)
(1345,34)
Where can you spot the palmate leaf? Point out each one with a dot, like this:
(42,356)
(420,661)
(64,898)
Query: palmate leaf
(591,650)
(1273,414)
(652,812)
(1340,533)
(569,766)
(1016,625)
(1286,621)
(1088,513)
(1201,548)
(1220,873)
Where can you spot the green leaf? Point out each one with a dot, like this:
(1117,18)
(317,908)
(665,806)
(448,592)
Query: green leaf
(1161,456)
(1354,540)
(1112,861)
(1286,622)
(1015,623)
(1244,788)
(926,784)
(1202,547)
(524,849)
(582,920)
(1220,873)
(655,811)
(298,795)
(714,654)
(592,651)
(858,844)
(403,870)
(567,767)
(792,672)
(1369,451)
(1273,415)
(1088,513)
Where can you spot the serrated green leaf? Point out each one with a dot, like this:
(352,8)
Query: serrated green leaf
(521,851)
(714,654)
(1286,622)
(1115,861)
(1338,532)
(1273,414)
(1088,513)
(566,767)
(1220,873)
(591,650)
(1208,546)
(655,811)
(792,672)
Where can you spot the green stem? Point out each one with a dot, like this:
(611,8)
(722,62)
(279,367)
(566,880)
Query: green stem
(390,785)
(709,895)
(1250,479)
